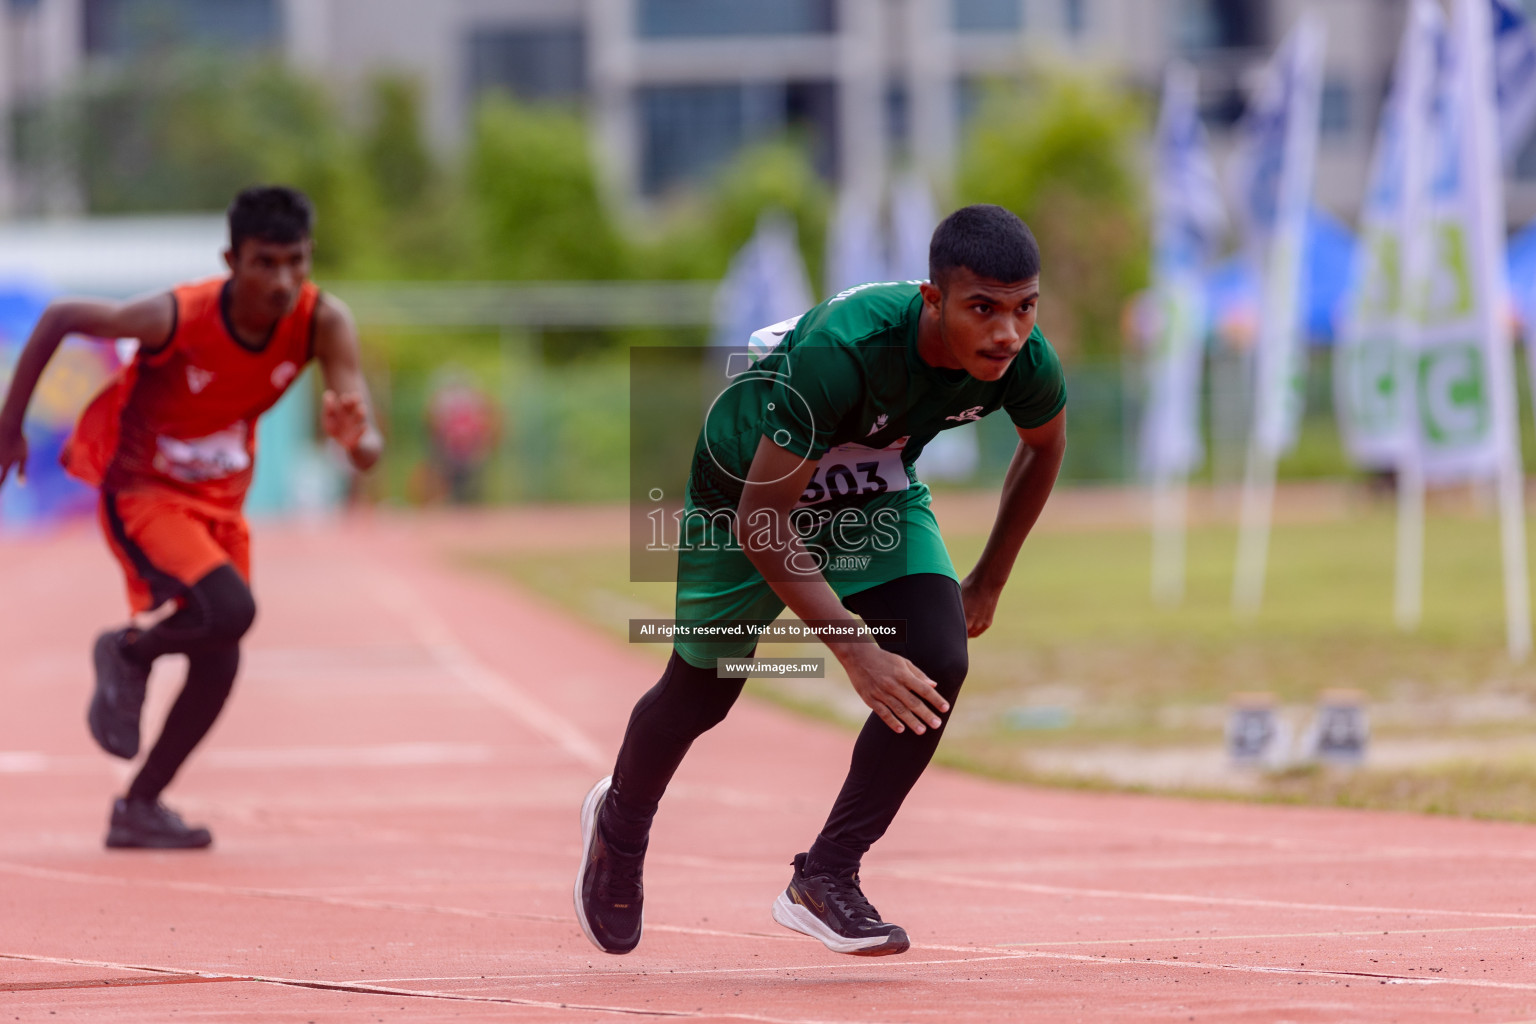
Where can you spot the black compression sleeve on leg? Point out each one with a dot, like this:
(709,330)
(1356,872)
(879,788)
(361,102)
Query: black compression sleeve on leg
(686,703)
(217,612)
(207,629)
(886,765)
(210,676)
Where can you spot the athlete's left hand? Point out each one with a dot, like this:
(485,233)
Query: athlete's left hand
(344,417)
(980,602)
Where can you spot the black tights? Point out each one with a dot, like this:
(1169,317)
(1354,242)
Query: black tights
(689,701)
(218,610)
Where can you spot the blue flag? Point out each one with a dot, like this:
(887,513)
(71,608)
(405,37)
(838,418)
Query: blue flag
(1187,227)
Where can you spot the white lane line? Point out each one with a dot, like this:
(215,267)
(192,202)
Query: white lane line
(1142,831)
(455,659)
(28,762)
(366,988)
(992,822)
(1195,898)
(1213,937)
(885,964)
(1090,864)
(379,756)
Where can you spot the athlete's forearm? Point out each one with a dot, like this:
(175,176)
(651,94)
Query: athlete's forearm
(49,331)
(1028,483)
(789,570)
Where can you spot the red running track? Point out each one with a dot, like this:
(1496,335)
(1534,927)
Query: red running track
(394,790)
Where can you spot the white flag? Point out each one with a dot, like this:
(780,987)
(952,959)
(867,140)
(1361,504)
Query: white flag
(1188,220)
(1272,183)
(1369,357)
(913,218)
(766,282)
(855,243)
(1462,401)
(858,250)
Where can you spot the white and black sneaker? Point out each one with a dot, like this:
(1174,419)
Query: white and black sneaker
(609,895)
(832,908)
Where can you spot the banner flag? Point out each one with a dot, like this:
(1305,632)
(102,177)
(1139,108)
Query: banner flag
(1272,183)
(1188,221)
(1369,356)
(1461,401)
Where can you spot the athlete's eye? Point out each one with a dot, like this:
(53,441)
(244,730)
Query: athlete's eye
(982,308)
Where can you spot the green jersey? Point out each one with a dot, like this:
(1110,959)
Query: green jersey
(844,385)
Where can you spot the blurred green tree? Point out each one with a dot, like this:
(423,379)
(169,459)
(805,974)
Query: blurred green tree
(394,151)
(775,174)
(1061,151)
(423,226)
(538,210)
(695,234)
(187,132)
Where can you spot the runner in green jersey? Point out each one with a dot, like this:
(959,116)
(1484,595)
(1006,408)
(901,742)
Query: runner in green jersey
(803,494)
(842,386)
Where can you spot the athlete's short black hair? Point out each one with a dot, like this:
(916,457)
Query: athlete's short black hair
(987,240)
(271,213)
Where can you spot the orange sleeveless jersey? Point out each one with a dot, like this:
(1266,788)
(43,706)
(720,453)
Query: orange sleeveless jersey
(184,417)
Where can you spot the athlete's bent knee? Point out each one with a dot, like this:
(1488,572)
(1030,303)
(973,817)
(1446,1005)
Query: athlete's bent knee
(945,661)
(227,604)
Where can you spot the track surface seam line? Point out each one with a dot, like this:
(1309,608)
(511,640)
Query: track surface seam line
(363,988)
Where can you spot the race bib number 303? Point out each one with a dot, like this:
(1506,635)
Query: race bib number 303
(856,471)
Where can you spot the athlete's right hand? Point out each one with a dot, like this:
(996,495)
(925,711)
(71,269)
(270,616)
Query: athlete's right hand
(894,688)
(13,452)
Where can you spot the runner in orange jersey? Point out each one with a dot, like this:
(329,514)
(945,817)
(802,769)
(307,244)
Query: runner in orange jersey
(171,444)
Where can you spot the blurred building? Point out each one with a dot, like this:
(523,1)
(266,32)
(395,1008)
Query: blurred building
(675,87)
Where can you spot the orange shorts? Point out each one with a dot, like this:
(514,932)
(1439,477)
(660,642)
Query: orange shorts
(167,541)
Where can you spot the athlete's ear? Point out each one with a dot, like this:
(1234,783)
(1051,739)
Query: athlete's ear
(932,294)
(229,259)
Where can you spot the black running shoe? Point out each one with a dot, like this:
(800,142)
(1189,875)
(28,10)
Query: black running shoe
(150,825)
(832,908)
(609,894)
(119,697)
